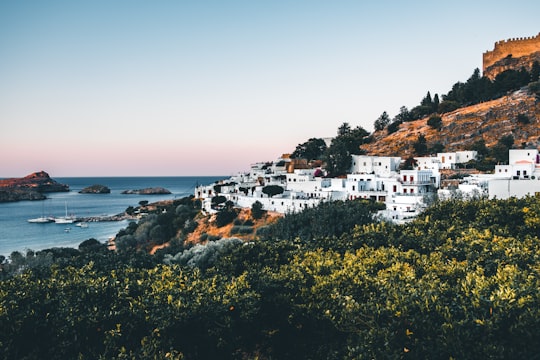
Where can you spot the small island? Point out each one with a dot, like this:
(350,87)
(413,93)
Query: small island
(30,187)
(95,189)
(148,191)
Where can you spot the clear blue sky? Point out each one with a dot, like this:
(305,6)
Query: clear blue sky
(120,88)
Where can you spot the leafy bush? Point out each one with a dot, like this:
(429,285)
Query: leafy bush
(435,121)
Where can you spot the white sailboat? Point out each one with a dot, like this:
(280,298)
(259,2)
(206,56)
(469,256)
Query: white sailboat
(42,219)
(65,219)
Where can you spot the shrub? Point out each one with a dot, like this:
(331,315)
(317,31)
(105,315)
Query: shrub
(435,121)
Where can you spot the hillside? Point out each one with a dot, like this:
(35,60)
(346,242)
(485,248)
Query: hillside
(461,128)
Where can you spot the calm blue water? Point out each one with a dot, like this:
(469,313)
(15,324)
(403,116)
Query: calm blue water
(17,234)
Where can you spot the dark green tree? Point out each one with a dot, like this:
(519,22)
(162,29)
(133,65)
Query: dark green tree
(257,211)
(420,145)
(403,116)
(436,148)
(382,121)
(344,129)
(272,190)
(313,149)
(435,121)
(338,157)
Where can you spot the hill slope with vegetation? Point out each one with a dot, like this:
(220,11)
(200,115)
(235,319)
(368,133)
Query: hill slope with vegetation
(461,281)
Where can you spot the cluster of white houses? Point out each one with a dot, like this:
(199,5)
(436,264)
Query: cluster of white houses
(378,178)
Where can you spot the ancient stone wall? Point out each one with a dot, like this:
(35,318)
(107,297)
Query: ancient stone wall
(515,48)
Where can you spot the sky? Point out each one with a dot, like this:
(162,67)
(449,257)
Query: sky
(193,88)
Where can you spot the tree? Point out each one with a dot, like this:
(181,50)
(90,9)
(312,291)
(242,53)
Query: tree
(382,121)
(338,157)
(393,127)
(480,147)
(403,116)
(436,148)
(257,210)
(344,129)
(420,145)
(313,149)
(272,190)
(435,121)
(436,102)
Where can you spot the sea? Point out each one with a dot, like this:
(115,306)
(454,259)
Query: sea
(17,234)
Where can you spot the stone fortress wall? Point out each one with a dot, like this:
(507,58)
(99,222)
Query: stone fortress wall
(516,47)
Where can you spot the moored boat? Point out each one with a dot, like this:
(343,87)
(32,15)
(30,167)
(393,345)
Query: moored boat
(67,219)
(40,220)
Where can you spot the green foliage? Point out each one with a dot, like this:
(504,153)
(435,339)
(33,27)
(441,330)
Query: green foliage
(393,127)
(461,281)
(225,217)
(164,224)
(272,190)
(257,211)
(329,219)
(420,145)
(435,121)
(313,149)
(338,156)
(436,148)
(219,199)
(382,121)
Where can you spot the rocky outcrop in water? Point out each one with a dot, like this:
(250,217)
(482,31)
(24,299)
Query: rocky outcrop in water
(95,189)
(148,191)
(30,187)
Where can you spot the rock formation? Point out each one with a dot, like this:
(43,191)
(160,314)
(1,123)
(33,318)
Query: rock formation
(29,187)
(95,189)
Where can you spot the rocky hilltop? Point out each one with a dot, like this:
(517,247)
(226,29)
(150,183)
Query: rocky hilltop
(461,128)
(30,187)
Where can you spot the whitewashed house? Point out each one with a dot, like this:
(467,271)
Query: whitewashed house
(379,165)
(449,160)
(521,177)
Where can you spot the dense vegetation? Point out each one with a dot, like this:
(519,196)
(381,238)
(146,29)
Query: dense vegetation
(461,281)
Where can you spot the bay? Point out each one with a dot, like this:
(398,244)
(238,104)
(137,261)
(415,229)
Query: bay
(17,234)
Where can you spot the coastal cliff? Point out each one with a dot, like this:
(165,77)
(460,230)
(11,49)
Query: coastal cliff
(30,187)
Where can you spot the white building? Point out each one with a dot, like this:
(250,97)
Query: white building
(379,165)
(449,160)
(521,177)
